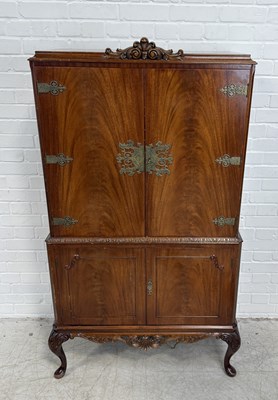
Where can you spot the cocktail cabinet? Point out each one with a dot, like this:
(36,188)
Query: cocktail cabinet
(143,153)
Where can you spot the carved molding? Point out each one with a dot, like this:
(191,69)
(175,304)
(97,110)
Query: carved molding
(144,240)
(144,50)
(145,341)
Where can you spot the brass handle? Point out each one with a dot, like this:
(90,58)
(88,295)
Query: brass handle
(72,262)
(150,287)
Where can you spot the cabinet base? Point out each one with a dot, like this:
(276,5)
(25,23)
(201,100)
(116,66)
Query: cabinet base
(58,337)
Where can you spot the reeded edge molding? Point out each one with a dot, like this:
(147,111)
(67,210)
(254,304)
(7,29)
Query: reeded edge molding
(144,240)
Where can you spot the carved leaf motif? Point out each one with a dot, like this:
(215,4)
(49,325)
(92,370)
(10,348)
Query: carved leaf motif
(144,50)
(56,339)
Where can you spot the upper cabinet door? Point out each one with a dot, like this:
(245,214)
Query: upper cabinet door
(84,115)
(196,126)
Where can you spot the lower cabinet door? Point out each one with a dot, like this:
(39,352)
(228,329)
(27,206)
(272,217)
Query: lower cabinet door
(192,286)
(98,286)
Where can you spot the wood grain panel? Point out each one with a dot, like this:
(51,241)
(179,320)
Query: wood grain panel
(187,110)
(99,109)
(189,287)
(101,287)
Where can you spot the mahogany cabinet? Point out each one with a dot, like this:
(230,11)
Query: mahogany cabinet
(143,154)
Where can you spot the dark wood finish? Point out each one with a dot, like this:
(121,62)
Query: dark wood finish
(143,258)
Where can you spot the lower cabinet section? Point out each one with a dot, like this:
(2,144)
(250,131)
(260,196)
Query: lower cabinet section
(146,286)
(144,295)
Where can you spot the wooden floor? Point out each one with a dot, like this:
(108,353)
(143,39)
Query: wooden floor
(118,372)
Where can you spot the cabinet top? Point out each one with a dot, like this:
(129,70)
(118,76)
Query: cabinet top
(143,52)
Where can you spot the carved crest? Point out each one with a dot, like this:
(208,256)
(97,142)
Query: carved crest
(144,50)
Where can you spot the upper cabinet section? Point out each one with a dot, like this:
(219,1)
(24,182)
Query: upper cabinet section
(143,141)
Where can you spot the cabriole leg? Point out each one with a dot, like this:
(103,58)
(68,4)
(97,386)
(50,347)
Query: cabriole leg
(233,341)
(55,341)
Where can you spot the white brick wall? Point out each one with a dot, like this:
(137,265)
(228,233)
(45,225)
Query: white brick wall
(248,26)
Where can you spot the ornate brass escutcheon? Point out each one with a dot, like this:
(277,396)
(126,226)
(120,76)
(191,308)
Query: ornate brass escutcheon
(131,158)
(158,159)
(53,88)
(227,160)
(150,287)
(233,90)
(154,158)
(221,221)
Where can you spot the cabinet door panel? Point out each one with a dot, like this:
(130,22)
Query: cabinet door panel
(192,287)
(187,110)
(99,109)
(100,286)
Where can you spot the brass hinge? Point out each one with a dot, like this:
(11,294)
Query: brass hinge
(53,87)
(221,221)
(66,221)
(150,287)
(227,160)
(233,90)
(60,159)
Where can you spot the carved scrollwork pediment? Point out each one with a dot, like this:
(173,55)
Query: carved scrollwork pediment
(144,50)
